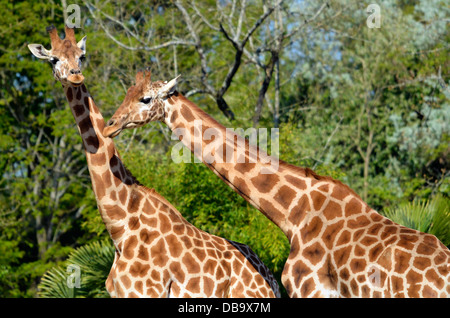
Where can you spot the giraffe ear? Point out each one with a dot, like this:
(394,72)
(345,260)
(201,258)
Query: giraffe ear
(82,44)
(39,51)
(168,88)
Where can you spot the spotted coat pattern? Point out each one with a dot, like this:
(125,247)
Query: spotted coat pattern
(340,247)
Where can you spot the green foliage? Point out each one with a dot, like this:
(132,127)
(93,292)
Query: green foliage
(430,216)
(92,262)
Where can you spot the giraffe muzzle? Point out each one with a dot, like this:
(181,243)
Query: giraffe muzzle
(112,129)
(75,79)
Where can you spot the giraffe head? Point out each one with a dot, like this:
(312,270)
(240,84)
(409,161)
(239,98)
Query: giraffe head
(65,56)
(144,102)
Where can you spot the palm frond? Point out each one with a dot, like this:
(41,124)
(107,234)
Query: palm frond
(431,216)
(92,263)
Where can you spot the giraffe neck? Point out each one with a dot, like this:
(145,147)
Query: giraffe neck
(111,181)
(258,181)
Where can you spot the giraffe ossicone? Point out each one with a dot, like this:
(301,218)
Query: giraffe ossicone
(157,252)
(340,247)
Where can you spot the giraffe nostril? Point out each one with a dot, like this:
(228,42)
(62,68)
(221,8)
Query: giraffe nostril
(74,71)
(110,122)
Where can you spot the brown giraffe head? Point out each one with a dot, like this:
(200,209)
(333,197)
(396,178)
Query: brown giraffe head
(143,103)
(65,56)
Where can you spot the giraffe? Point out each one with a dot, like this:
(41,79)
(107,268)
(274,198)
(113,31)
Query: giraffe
(340,247)
(158,253)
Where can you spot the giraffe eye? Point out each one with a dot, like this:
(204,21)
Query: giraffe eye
(82,58)
(146,100)
(53,60)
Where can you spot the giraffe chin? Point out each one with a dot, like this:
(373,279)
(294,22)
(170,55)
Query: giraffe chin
(111,132)
(75,80)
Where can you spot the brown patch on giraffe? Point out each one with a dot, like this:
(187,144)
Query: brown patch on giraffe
(137,269)
(425,249)
(300,210)
(340,192)
(265,182)
(186,113)
(193,285)
(86,101)
(401,263)
(209,267)
(84,125)
(314,253)
(359,250)
(414,280)
(327,275)
(324,188)
(435,278)
(331,232)
(143,253)
(69,94)
(148,208)
(352,207)
(344,238)
(397,286)
(428,292)
(178,229)
(375,252)
(78,95)
(199,253)
(421,263)
(133,223)
(99,189)
(208,286)
(359,222)
(191,264)
(147,237)
(129,246)
(241,185)
(357,235)
(114,212)
(388,231)
(78,109)
(125,281)
(177,271)
(407,241)
(317,199)
(134,201)
(221,271)
(296,182)
(275,215)
(159,253)
(175,248)
(116,232)
(357,265)
(332,210)
(164,224)
(341,256)
(244,167)
(138,286)
(440,258)
(344,274)
(311,230)
(106,178)
(151,222)
(374,229)
(307,287)
(284,196)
